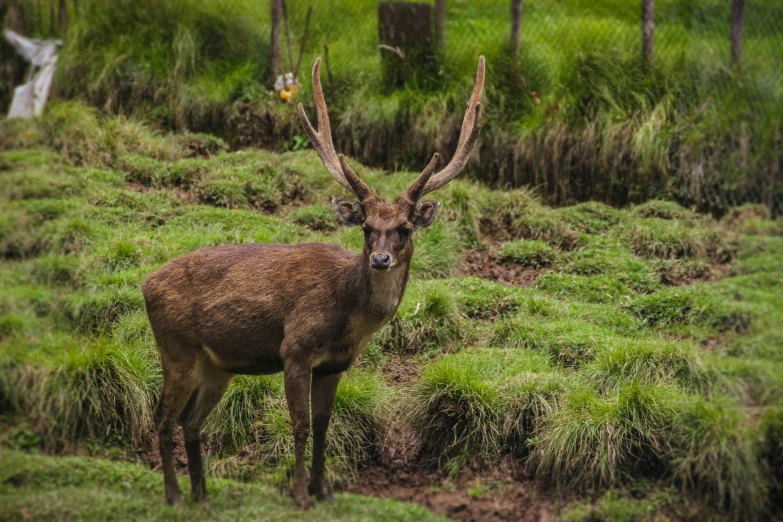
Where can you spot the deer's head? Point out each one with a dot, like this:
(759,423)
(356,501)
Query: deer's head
(388,227)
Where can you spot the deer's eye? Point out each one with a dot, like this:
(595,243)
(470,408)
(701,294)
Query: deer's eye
(404,233)
(367,231)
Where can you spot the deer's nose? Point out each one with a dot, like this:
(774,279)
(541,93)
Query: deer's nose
(380,261)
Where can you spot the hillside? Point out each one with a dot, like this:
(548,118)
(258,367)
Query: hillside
(622,362)
(577,116)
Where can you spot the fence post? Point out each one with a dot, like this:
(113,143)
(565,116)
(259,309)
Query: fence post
(648,31)
(440,21)
(406,43)
(64,19)
(15,17)
(516,27)
(737,17)
(274,66)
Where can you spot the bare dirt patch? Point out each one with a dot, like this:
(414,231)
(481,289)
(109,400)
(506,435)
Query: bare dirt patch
(402,370)
(716,272)
(485,264)
(477,494)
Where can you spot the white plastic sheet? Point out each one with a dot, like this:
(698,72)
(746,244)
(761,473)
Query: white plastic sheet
(30,98)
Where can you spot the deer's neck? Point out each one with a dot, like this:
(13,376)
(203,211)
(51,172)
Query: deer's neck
(385,288)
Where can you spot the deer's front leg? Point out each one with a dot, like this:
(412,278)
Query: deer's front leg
(297,392)
(323,392)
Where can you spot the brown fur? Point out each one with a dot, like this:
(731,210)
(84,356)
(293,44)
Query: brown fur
(258,309)
(307,310)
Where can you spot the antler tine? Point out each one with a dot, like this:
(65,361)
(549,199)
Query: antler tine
(471,125)
(414,191)
(358,186)
(322,139)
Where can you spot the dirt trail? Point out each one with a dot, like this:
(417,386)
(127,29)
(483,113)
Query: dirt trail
(495,494)
(484,264)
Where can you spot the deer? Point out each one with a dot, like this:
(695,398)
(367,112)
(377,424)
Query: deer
(307,310)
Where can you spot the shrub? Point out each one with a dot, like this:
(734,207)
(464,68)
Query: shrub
(97,312)
(87,390)
(657,208)
(437,250)
(247,401)
(482,299)
(696,304)
(58,270)
(600,255)
(254,186)
(601,441)
(569,342)
(519,215)
(713,457)
(591,217)
(650,361)
(141,169)
(426,320)
(532,254)
(594,289)
(675,239)
(483,401)
(315,217)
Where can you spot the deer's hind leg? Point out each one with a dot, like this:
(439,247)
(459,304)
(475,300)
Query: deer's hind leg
(179,383)
(323,391)
(296,377)
(213,383)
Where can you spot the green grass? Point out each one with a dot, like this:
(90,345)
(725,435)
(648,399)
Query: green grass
(606,374)
(691,127)
(532,254)
(78,488)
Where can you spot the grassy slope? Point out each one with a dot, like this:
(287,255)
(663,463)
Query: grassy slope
(71,488)
(692,126)
(602,376)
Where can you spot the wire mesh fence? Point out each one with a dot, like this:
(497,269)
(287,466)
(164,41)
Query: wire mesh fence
(577,114)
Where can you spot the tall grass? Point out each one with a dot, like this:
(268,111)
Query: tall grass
(578,117)
(602,375)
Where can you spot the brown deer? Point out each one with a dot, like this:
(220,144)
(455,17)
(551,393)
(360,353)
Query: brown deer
(307,310)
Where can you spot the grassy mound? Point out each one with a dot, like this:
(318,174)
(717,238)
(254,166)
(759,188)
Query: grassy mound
(77,488)
(606,372)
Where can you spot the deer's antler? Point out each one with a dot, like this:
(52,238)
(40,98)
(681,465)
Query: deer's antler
(322,141)
(471,125)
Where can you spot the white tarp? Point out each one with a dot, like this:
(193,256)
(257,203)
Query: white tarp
(30,98)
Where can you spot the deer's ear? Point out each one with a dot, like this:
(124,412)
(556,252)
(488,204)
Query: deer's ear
(349,211)
(425,213)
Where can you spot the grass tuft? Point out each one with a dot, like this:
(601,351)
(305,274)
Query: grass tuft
(531,254)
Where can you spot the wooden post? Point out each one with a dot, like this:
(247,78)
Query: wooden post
(440,21)
(274,65)
(37,18)
(288,37)
(516,27)
(405,37)
(64,19)
(15,17)
(648,31)
(328,67)
(737,17)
